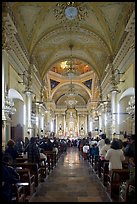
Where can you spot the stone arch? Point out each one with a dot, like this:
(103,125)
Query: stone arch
(128,92)
(14,94)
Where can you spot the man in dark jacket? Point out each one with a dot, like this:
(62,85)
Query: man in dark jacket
(130,148)
(33,151)
(12,150)
(9,177)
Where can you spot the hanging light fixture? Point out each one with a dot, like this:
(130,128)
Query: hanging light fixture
(71,90)
(71,101)
(9,106)
(131,108)
(70,66)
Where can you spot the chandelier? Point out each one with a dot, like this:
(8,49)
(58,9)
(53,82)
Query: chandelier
(70,66)
(96,115)
(131,108)
(70,11)
(71,101)
(9,106)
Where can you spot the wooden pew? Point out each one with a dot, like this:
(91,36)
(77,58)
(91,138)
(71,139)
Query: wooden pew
(43,165)
(58,155)
(104,172)
(34,170)
(127,191)
(27,180)
(21,160)
(114,180)
(51,157)
(18,193)
(100,164)
(95,162)
(44,168)
(89,158)
(130,194)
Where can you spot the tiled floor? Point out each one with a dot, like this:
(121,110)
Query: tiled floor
(72,180)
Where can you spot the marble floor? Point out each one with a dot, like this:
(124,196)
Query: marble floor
(72,180)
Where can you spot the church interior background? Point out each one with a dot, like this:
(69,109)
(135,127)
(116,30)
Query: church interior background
(68,74)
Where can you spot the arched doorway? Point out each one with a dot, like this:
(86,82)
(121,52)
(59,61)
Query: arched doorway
(127,121)
(17,119)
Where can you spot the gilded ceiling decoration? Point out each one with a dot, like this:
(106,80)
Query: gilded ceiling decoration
(80,67)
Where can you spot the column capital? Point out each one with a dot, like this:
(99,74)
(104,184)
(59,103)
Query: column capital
(115,90)
(28,92)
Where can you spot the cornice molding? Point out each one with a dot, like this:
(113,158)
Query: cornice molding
(10,32)
(129,42)
(131,24)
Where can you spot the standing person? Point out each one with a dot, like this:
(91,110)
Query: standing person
(94,151)
(85,150)
(101,142)
(105,148)
(100,133)
(129,150)
(26,144)
(12,150)
(102,155)
(41,134)
(115,156)
(9,177)
(28,134)
(20,146)
(33,151)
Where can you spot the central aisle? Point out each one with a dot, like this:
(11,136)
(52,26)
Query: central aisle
(72,180)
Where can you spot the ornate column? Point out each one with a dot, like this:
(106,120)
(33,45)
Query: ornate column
(42,122)
(85,124)
(100,121)
(28,93)
(114,91)
(64,124)
(46,121)
(5,48)
(28,111)
(78,124)
(107,117)
(56,124)
(114,110)
(7,32)
(88,123)
(103,122)
(4,78)
(4,117)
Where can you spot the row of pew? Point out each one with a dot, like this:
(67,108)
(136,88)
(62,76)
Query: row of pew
(116,183)
(31,175)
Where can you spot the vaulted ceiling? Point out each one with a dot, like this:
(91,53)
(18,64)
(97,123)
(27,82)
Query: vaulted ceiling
(95,39)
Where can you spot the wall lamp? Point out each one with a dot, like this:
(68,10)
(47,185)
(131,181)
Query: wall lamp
(118,72)
(23,77)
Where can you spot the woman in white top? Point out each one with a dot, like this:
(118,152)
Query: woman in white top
(105,148)
(85,150)
(115,156)
(101,142)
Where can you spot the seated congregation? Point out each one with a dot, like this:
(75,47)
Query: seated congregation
(26,165)
(113,162)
